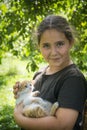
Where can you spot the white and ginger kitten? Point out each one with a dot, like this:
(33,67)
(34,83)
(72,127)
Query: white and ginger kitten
(34,106)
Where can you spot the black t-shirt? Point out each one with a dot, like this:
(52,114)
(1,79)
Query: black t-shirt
(67,86)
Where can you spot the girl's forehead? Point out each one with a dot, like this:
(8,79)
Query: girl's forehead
(52,34)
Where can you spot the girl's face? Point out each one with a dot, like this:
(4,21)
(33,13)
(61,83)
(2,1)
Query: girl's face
(55,48)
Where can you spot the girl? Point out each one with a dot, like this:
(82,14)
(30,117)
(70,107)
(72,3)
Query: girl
(60,81)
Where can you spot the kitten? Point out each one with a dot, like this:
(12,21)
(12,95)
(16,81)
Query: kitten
(34,106)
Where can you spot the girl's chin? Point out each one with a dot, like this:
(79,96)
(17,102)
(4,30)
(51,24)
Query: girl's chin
(55,64)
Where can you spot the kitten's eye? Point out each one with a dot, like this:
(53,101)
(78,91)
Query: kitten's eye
(30,84)
(26,86)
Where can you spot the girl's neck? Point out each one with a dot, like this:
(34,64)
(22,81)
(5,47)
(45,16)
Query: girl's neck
(52,69)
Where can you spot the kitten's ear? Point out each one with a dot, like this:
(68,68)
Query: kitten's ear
(20,87)
(24,83)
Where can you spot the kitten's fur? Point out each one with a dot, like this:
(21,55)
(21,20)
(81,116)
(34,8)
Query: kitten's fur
(34,106)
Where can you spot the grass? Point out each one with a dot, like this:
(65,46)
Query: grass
(11,70)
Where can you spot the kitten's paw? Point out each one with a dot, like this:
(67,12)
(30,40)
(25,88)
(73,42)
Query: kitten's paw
(54,108)
(36,93)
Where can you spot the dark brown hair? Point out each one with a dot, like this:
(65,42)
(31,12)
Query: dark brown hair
(55,22)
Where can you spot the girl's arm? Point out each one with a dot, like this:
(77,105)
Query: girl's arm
(64,119)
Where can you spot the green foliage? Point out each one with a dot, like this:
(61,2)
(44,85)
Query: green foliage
(6,119)
(19,19)
(78,19)
(6,105)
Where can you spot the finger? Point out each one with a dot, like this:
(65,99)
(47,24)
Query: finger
(20,104)
(33,82)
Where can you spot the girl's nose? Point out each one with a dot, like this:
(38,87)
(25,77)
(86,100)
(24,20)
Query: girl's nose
(53,51)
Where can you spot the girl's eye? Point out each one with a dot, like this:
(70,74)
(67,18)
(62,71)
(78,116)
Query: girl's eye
(46,45)
(59,43)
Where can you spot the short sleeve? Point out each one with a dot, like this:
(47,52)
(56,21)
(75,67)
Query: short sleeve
(72,94)
(36,74)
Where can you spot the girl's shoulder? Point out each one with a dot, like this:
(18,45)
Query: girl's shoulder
(40,71)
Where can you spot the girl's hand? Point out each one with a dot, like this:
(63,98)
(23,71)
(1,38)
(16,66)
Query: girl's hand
(19,108)
(15,89)
(18,111)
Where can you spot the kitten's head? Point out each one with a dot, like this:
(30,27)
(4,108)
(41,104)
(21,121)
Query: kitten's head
(26,87)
